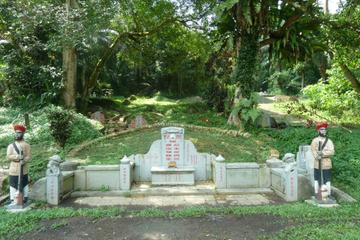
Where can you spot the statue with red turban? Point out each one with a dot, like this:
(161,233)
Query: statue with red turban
(19,155)
(322,149)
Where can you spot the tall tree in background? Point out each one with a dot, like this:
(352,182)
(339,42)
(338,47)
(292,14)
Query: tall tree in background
(69,62)
(343,35)
(255,24)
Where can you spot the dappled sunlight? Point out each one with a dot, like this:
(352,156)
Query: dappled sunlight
(141,101)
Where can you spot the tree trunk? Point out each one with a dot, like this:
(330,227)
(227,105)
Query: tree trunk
(351,77)
(69,70)
(234,118)
(302,80)
(69,67)
(244,72)
(91,82)
(322,70)
(326,6)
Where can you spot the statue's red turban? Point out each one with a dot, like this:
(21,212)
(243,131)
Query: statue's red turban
(19,127)
(321,125)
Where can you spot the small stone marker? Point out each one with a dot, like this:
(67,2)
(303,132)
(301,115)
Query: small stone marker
(125,178)
(53,180)
(172,146)
(98,116)
(138,122)
(220,170)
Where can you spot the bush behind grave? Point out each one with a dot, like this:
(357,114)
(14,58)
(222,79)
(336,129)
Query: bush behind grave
(39,137)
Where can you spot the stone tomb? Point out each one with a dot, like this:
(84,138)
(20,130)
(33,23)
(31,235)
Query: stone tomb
(172,160)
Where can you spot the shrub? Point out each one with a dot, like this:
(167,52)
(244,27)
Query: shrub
(70,128)
(336,97)
(82,129)
(60,124)
(247,108)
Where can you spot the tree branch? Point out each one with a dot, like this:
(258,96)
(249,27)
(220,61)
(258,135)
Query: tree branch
(91,82)
(350,76)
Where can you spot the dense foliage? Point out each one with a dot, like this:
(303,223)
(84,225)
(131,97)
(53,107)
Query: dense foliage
(336,96)
(60,125)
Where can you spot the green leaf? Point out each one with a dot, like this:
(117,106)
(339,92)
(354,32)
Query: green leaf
(246,103)
(254,114)
(224,6)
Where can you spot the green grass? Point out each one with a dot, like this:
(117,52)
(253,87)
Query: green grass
(162,109)
(307,222)
(13,225)
(234,149)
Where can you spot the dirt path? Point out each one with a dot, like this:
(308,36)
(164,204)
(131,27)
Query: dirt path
(267,106)
(208,227)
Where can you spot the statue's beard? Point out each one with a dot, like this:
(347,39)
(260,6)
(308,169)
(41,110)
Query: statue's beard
(322,134)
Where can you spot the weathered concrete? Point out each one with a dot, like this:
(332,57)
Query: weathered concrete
(146,189)
(172,176)
(103,177)
(284,181)
(68,183)
(180,200)
(342,196)
(305,190)
(38,190)
(242,175)
(68,166)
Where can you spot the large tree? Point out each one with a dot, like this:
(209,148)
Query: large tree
(258,23)
(342,31)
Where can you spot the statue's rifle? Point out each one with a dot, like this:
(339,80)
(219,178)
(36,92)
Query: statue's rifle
(321,171)
(19,194)
(320,149)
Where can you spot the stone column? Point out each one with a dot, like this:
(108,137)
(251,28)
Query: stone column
(291,182)
(53,181)
(125,171)
(220,172)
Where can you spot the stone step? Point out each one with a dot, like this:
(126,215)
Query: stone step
(172,191)
(178,201)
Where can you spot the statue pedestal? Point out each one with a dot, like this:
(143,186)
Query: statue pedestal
(329,203)
(13,208)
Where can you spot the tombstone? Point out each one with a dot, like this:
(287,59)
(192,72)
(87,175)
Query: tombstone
(53,180)
(172,146)
(98,116)
(138,122)
(172,160)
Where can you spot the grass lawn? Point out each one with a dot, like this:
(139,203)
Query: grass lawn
(307,222)
(234,149)
(163,109)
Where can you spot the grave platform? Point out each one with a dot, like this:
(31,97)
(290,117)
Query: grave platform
(147,189)
(145,194)
(172,176)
